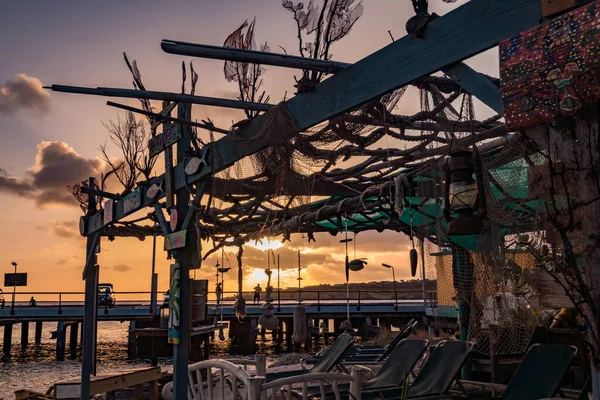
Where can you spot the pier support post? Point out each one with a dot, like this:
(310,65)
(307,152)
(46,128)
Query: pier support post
(24,334)
(288,332)
(61,338)
(7,344)
(206,349)
(38,331)
(73,334)
(131,345)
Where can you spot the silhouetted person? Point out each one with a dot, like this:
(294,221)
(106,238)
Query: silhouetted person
(257,290)
(32,302)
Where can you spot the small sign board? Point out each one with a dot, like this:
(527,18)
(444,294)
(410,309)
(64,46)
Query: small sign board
(132,201)
(15,279)
(108,211)
(163,140)
(175,240)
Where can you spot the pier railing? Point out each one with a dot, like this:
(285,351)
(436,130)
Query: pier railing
(66,299)
(355,297)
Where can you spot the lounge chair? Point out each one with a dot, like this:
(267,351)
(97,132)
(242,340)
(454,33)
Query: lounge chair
(539,373)
(586,389)
(392,373)
(364,354)
(329,360)
(436,376)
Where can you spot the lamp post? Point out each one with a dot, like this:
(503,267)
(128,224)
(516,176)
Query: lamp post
(12,307)
(395,291)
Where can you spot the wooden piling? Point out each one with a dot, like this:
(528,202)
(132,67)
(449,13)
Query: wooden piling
(289,329)
(206,347)
(73,334)
(61,339)
(7,344)
(24,335)
(38,331)
(131,345)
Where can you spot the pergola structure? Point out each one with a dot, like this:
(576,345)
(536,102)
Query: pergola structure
(361,197)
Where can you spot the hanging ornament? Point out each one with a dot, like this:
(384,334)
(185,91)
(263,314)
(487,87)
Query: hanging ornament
(414,257)
(239,306)
(358,263)
(414,260)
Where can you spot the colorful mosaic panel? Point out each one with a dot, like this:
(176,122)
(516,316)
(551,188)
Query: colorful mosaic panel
(551,70)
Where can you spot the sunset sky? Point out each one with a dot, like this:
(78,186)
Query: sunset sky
(51,140)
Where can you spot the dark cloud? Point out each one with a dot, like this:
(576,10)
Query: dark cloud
(57,165)
(62,261)
(65,229)
(22,91)
(121,267)
(14,185)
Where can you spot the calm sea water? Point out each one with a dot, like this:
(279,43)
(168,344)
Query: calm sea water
(36,368)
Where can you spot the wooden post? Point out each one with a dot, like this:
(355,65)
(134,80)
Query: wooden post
(261,364)
(358,375)
(206,354)
(138,392)
(60,341)
(153,390)
(73,333)
(88,342)
(185,257)
(24,334)
(7,344)
(131,345)
(255,387)
(38,331)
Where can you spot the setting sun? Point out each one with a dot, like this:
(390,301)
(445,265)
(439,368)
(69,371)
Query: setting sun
(266,244)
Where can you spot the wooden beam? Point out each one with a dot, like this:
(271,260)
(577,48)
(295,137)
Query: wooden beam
(101,193)
(476,84)
(250,56)
(458,35)
(165,96)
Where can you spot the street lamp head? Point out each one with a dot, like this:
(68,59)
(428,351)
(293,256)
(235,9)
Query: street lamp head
(14,264)
(387,265)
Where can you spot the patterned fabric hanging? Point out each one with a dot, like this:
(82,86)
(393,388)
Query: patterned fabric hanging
(552,70)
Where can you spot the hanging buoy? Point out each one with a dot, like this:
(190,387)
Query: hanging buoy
(221,335)
(267,320)
(300,325)
(239,307)
(414,260)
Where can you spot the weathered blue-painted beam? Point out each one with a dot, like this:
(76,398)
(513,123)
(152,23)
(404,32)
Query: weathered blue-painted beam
(469,79)
(250,56)
(153,95)
(462,33)
(476,84)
